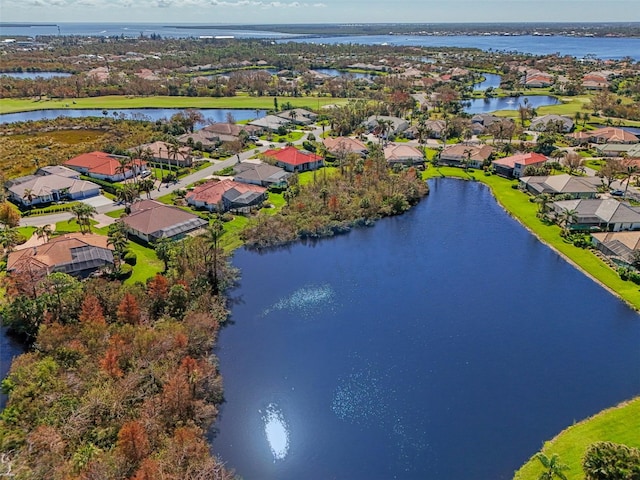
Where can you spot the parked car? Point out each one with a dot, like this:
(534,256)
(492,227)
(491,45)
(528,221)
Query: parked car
(617,193)
(145,173)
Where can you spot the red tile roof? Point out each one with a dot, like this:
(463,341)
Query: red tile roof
(99,163)
(293,156)
(211,192)
(521,159)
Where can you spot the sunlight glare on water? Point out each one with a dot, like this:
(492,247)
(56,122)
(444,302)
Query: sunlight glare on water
(305,300)
(276,431)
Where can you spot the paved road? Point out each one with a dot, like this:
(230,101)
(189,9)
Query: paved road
(215,166)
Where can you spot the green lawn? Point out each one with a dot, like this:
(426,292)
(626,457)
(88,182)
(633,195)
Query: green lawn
(147,264)
(115,213)
(231,238)
(10,105)
(26,232)
(595,164)
(518,205)
(620,424)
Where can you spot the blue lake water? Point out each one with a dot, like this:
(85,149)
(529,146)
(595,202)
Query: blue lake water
(579,47)
(337,73)
(435,344)
(34,75)
(490,80)
(152,114)
(9,348)
(486,105)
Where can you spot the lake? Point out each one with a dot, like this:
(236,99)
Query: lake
(579,47)
(337,73)
(34,75)
(486,105)
(445,341)
(9,348)
(490,80)
(151,114)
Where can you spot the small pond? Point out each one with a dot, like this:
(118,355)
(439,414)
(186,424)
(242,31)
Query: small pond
(34,75)
(152,114)
(490,80)
(486,105)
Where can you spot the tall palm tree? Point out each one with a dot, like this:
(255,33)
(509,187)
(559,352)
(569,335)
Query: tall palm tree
(552,467)
(83,215)
(43,232)
(124,164)
(543,200)
(29,196)
(627,174)
(566,218)
(212,235)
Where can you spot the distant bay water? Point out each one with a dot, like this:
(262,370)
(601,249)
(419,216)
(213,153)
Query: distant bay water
(580,47)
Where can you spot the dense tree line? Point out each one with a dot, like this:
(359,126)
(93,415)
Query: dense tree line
(357,192)
(120,382)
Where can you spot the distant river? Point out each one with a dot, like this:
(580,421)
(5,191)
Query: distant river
(445,341)
(151,114)
(580,47)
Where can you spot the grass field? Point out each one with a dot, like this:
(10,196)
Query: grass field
(620,424)
(517,204)
(10,105)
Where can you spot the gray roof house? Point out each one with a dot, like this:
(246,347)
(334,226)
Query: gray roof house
(605,214)
(59,170)
(564,124)
(41,189)
(299,116)
(270,122)
(150,221)
(261,174)
(577,187)
(398,125)
(618,246)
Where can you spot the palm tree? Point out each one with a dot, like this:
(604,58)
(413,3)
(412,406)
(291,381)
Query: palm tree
(163,248)
(627,174)
(84,213)
(127,194)
(124,163)
(212,235)
(43,232)
(119,241)
(543,200)
(566,218)
(29,196)
(173,150)
(553,467)
(8,239)
(146,185)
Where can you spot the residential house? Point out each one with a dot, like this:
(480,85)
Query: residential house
(299,116)
(204,139)
(75,254)
(58,170)
(220,196)
(619,150)
(163,152)
(620,247)
(605,214)
(612,135)
(515,165)
(558,123)
(403,154)
(271,122)
(595,81)
(577,187)
(474,155)
(337,145)
(151,221)
(396,125)
(231,129)
(258,173)
(294,160)
(106,166)
(35,190)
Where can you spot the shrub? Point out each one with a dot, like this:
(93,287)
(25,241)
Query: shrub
(124,271)
(130,258)
(611,461)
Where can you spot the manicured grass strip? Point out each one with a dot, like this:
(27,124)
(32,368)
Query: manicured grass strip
(26,232)
(620,424)
(231,238)
(10,105)
(147,264)
(518,205)
(115,213)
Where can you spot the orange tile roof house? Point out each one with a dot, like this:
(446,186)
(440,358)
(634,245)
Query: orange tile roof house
(150,221)
(612,135)
(403,155)
(74,253)
(347,144)
(475,155)
(104,166)
(293,160)
(163,152)
(227,195)
(515,165)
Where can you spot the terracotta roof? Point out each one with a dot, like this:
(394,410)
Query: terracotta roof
(521,159)
(612,134)
(353,145)
(402,152)
(293,156)
(64,250)
(225,128)
(152,218)
(211,192)
(99,163)
(479,153)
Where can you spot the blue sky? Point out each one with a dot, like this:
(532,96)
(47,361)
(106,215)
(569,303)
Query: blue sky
(318,11)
